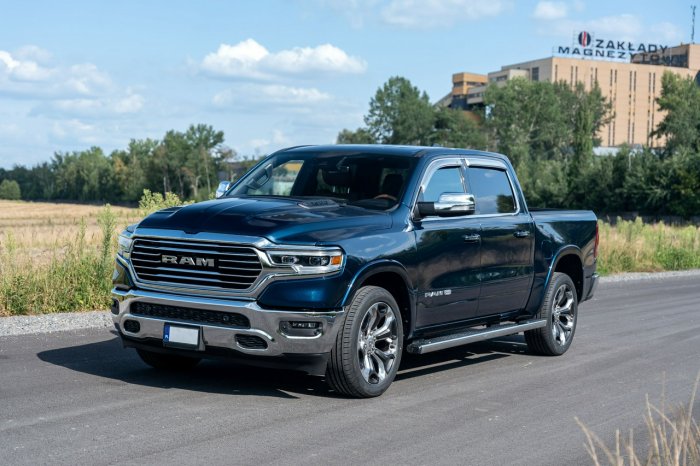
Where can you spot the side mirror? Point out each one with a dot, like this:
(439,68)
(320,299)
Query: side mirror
(222,188)
(448,205)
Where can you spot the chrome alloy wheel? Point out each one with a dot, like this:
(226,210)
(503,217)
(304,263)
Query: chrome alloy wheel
(377,342)
(563,314)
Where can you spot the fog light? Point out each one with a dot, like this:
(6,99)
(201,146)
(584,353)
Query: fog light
(132,326)
(300,328)
(295,324)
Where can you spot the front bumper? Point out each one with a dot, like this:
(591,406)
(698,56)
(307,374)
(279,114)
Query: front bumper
(266,324)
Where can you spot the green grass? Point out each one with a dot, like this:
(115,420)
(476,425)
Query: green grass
(638,247)
(75,278)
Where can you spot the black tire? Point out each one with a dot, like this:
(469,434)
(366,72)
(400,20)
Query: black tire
(560,309)
(167,362)
(362,343)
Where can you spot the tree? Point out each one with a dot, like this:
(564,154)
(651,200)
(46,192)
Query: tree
(680,99)
(400,114)
(359,136)
(9,189)
(454,129)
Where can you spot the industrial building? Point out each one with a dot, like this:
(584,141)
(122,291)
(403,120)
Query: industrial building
(629,75)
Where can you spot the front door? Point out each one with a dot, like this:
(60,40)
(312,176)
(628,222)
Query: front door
(447,254)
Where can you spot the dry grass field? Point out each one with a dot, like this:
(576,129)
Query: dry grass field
(38,229)
(58,257)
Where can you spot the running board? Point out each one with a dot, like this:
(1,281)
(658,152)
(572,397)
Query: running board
(470,336)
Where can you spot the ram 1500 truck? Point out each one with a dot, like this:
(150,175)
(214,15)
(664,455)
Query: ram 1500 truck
(336,259)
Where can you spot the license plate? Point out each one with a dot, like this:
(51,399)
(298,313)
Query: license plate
(184,337)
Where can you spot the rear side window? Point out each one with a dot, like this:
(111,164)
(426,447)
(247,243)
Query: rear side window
(444,180)
(492,191)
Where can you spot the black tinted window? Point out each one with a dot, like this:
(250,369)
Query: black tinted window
(445,180)
(492,191)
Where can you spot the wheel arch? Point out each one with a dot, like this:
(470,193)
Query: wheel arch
(568,261)
(391,276)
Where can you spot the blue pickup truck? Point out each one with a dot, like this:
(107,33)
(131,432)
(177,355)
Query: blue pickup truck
(337,259)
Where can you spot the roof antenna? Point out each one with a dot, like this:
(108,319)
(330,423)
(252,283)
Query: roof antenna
(692,31)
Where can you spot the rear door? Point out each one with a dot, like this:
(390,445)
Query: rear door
(447,252)
(507,238)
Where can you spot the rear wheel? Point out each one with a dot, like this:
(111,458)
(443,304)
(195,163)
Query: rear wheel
(560,309)
(367,353)
(168,362)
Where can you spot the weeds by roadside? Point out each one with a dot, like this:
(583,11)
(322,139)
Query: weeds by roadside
(673,439)
(637,247)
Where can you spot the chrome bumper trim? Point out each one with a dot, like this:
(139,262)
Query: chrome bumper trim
(264,323)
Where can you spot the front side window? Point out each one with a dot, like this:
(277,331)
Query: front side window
(492,191)
(444,180)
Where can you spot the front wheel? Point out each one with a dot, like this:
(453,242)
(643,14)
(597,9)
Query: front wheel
(367,352)
(560,309)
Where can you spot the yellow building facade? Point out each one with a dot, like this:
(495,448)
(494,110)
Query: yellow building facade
(632,88)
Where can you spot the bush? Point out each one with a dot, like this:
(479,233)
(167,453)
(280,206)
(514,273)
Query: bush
(151,202)
(9,189)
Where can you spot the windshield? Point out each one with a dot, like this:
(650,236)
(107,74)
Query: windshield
(366,180)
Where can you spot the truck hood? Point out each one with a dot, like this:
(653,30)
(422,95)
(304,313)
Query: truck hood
(277,219)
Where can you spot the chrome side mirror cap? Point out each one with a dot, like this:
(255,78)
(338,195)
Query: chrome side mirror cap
(222,188)
(448,205)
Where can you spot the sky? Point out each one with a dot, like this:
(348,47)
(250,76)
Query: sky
(270,74)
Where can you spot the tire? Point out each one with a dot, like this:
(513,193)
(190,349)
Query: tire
(560,309)
(367,351)
(167,362)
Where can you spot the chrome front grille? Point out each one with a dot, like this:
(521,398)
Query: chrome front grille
(195,264)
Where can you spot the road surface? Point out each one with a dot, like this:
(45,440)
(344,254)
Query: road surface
(77,397)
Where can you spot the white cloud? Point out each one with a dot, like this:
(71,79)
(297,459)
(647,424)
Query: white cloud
(356,11)
(34,53)
(26,78)
(550,10)
(667,33)
(92,108)
(439,13)
(74,130)
(249,59)
(258,94)
(616,27)
(15,69)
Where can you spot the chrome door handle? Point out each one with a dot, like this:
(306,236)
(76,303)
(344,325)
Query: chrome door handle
(472,238)
(521,234)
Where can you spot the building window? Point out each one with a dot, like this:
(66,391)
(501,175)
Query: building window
(556,73)
(535,73)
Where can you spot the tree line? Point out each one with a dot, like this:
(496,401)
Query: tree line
(547,129)
(188,163)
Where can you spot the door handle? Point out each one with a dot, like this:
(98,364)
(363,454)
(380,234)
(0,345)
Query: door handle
(472,238)
(521,234)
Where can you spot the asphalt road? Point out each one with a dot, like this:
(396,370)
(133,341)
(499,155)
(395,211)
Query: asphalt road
(77,397)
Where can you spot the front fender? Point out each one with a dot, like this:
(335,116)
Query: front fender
(384,266)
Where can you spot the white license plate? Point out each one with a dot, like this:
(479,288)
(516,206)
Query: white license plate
(175,335)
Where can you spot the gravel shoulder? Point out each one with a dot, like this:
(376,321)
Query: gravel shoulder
(48,323)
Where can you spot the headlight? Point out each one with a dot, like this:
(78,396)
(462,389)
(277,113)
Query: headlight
(124,245)
(308,262)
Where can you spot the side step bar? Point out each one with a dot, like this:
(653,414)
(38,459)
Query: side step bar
(429,345)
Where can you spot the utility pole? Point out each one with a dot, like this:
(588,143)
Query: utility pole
(692,30)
